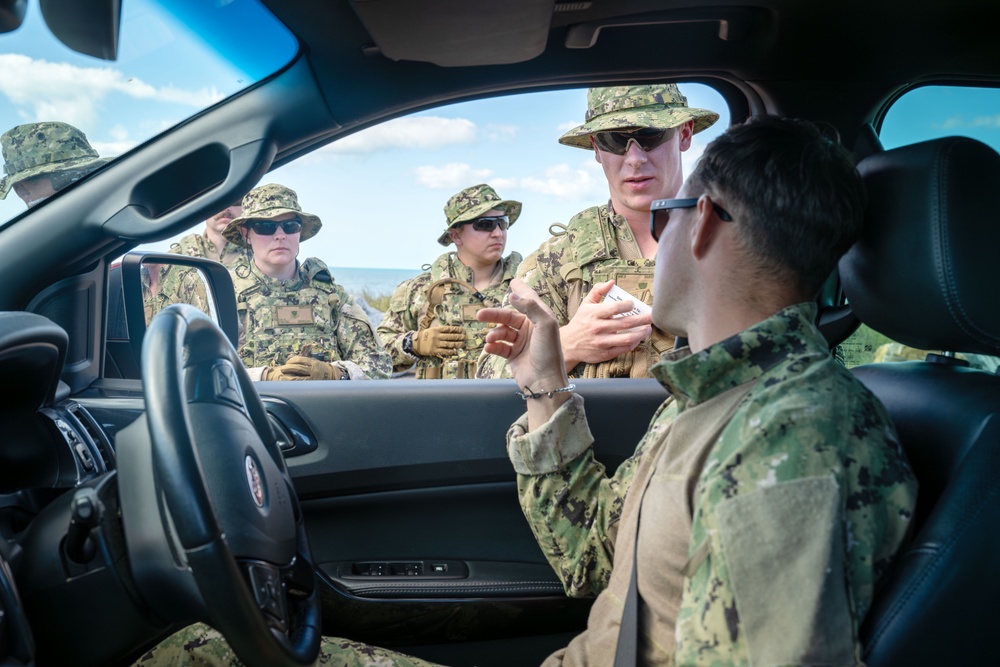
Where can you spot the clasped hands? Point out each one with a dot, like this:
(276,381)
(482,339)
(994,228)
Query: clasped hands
(444,341)
(304,368)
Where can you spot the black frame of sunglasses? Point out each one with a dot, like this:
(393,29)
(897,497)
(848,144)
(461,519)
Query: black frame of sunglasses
(252,225)
(616,142)
(492,220)
(667,205)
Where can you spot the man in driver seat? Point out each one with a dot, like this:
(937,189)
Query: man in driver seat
(770,491)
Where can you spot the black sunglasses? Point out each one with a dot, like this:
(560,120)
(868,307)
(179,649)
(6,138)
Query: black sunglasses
(617,142)
(269,227)
(488,224)
(659,213)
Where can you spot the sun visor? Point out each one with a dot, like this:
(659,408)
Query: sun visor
(457,33)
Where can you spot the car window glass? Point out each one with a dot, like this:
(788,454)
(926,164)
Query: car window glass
(380,192)
(922,114)
(164,73)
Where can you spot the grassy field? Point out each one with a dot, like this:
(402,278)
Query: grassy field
(377,301)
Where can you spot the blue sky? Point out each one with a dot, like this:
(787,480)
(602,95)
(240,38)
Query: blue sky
(379,192)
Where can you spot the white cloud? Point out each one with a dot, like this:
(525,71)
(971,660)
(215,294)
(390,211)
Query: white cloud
(453,175)
(501,133)
(563,128)
(959,122)
(60,91)
(425,132)
(565,182)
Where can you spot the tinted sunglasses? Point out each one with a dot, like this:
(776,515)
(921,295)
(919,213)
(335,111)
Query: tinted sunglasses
(659,213)
(488,224)
(617,142)
(269,227)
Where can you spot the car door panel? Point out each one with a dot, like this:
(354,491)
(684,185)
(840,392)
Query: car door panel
(415,474)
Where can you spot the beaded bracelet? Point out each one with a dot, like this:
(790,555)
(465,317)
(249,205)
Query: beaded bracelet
(527,393)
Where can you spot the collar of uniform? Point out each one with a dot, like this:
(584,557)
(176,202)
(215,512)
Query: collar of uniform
(695,378)
(617,219)
(449,265)
(295,282)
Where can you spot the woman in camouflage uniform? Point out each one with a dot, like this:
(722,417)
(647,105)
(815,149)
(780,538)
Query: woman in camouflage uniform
(431,320)
(296,323)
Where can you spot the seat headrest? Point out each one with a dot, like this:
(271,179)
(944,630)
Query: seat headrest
(926,270)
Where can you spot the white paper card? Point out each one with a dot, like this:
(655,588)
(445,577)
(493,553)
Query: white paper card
(618,294)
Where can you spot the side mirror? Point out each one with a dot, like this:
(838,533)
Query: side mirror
(152,281)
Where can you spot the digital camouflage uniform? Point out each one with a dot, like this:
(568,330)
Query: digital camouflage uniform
(176,284)
(446,295)
(49,149)
(771,486)
(456,303)
(310,315)
(598,245)
(200,645)
(179,284)
(199,245)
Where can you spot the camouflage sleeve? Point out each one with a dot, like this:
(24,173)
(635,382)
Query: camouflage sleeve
(794,517)
(571,504)
(401,318)
(357,341)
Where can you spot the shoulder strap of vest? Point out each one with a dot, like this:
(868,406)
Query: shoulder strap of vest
(589,242)
(435,296)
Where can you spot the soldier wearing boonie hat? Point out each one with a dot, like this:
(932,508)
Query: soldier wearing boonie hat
(50,150)
(637,134)
(296,323)
(431,322)
(624,108)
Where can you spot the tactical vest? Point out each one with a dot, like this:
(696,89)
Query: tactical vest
(596,258)
(277,322)
(450,301)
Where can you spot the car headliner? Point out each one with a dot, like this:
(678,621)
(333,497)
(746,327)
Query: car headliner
(837,62)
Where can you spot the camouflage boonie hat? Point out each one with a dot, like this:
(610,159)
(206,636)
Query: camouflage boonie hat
(269,201)
(45,149)
(471,203)
(624,108)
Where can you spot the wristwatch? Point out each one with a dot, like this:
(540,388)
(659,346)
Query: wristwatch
(408,343)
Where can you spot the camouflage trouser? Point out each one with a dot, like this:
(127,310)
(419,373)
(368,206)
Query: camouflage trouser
(202,646)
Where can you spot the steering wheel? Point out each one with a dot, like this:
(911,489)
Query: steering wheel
(211,518)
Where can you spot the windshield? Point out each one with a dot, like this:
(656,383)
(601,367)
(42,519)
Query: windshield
(171,65)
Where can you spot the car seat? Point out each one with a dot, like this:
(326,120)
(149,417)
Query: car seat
(926,274)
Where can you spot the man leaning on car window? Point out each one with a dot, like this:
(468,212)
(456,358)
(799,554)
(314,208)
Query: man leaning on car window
(770,490)
(637,134)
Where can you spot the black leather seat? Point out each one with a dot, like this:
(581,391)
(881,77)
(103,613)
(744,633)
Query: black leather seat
(927,274)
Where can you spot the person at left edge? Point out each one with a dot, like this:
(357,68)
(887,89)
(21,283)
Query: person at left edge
(40,159)
(431,322)
(296,323)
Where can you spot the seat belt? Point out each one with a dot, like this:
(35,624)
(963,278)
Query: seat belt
(628,634)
